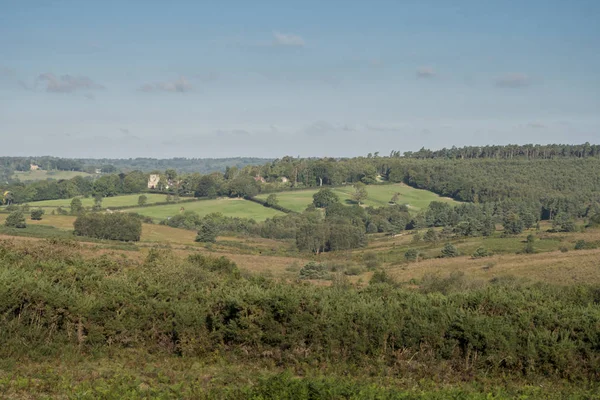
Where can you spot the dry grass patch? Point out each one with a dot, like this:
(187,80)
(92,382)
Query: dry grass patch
(574,267)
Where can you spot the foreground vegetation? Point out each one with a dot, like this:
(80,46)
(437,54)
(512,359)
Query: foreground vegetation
(200,309)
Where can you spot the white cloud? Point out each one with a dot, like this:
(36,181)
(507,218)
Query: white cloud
(288,40)
(66,83)
(513,81)
(426,72)
(180,85)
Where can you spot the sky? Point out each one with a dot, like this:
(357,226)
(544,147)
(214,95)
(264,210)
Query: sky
(126,79)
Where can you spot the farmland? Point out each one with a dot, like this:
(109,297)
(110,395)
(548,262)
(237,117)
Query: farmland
(41,175)
(229,207)
(379,196)
(107,202)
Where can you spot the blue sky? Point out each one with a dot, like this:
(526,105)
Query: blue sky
(309,78)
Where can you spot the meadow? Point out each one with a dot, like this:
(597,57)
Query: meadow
(41,175)
(229,207)
(379,196)
(128,200)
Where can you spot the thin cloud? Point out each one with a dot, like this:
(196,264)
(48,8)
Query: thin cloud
(66,83)
(7,72)
(232,133)
(536,125)
(180,85)
(513,81)
(124,131)
(426,73)
(288,40)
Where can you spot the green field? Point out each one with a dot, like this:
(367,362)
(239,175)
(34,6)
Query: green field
(107,202)
(229,207)
(41,175)
(379,195)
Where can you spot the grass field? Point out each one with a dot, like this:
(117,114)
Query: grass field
(41,175)
(229,207)
(107,202)
(379,195)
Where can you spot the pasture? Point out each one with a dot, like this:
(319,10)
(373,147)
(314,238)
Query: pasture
(107,202)
(379,196)
(41,175)
(229,207)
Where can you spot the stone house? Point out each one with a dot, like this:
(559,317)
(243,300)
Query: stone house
(153,181)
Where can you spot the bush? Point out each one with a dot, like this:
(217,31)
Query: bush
(314,270)
(563,223)
(481,252)
(15,219)
(449,251)
(61,211)
(207,231)
(370,259)
(271,200)
(353,270)
(142,200)
(118,226)
(37,214)
(325,198)
(583,245)
(220,265)
(431,235)
(380,276)
(411,255)
(76,206)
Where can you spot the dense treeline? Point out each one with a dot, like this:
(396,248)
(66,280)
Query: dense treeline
(564,185)
(511,151)
(203,305)
(182,165)
(45,162)
(119,226)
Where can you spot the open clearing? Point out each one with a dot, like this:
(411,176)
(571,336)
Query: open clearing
(41,175)
(107,202)
(278,259)
(379,196)
(229,207)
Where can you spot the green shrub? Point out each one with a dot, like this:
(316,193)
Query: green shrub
(118,226)
(583,245)
(220,265)
(371,260)
(354,270)
(37,214)
(411,255)
(449,250)
(207,231)
(15,219)
(314,270)
(380,276)
(481,252)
